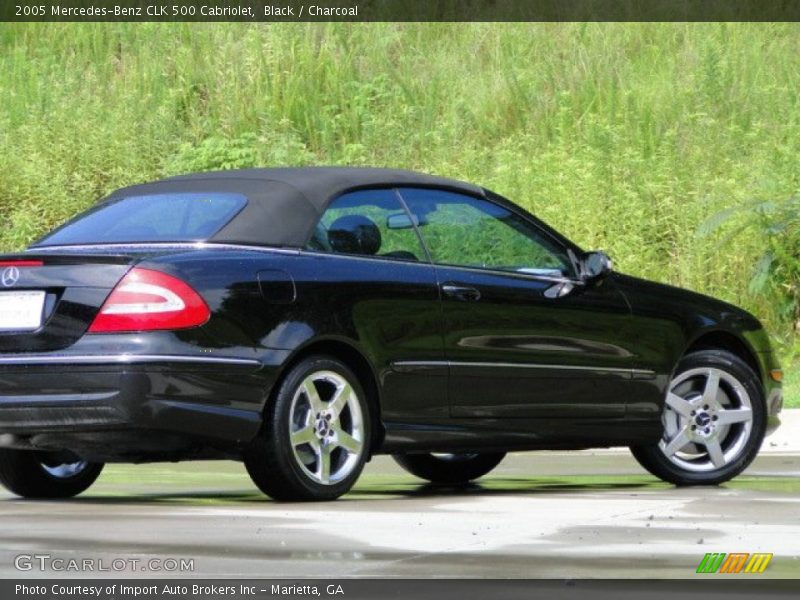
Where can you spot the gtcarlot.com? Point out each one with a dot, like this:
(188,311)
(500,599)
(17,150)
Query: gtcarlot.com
(56,564)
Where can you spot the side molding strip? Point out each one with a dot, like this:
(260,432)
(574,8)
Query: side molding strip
(414,365)
(125,359)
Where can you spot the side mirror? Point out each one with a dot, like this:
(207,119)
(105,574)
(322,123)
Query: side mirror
(595,265)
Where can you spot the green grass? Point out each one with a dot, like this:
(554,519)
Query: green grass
(624,136)
(791,385)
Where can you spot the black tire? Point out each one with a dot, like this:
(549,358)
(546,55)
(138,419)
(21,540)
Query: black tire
(449,469)
(22,472)
(271,459)
(656,461)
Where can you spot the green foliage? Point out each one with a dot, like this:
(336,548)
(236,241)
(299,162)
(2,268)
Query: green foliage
(777,272)
(246,150)
(624,136)
(217,153)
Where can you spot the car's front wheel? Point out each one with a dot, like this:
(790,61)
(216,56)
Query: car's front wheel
(316,434)
(449,469)
(46,474)
(714,421)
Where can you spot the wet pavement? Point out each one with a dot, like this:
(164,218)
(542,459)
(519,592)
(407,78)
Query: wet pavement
(545,514)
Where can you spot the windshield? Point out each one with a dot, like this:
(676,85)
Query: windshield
(177,217)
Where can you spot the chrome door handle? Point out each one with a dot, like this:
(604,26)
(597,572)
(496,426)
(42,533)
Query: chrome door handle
(461,292)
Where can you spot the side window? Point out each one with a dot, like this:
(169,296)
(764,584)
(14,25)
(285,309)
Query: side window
(465,231)
(368,223)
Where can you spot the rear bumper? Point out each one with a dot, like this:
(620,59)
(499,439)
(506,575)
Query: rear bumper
(131,407)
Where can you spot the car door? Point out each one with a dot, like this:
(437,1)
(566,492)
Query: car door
(524,337)
(383,290)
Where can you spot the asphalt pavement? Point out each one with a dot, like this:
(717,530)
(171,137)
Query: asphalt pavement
(541,514)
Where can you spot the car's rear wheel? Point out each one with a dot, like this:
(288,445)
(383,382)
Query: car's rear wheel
(449,469)
(46,474)
(316,434)
(714,421)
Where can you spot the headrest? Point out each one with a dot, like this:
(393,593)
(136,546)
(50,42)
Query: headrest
(354,234)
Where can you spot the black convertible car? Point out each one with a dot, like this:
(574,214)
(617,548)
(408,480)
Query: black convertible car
(303,320)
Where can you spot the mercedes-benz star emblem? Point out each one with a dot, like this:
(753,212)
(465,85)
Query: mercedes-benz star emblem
(10,276)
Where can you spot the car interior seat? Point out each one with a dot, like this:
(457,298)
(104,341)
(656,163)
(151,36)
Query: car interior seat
(354,234)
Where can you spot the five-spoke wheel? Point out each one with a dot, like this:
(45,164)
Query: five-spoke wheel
(707,420)
(713,421)
(316,433)
(327,427)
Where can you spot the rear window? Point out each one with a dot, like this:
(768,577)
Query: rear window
(177,217)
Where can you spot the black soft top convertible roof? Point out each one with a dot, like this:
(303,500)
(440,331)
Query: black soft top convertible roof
(285,204)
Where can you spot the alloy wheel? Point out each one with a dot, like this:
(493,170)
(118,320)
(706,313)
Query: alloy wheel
(326,428)
(65,470)
(708,419)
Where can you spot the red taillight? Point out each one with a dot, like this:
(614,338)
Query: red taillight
(21,263)
(147,300)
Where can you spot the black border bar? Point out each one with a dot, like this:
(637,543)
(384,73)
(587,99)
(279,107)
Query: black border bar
(397,10)
(734,587)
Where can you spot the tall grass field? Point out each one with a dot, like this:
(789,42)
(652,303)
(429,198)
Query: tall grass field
(672,146)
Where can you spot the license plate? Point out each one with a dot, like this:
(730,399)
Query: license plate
(21,311)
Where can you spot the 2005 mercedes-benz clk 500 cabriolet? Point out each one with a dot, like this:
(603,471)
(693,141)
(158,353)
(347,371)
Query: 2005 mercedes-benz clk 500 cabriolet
(303,320)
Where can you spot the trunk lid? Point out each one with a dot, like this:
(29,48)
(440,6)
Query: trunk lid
(49,300)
